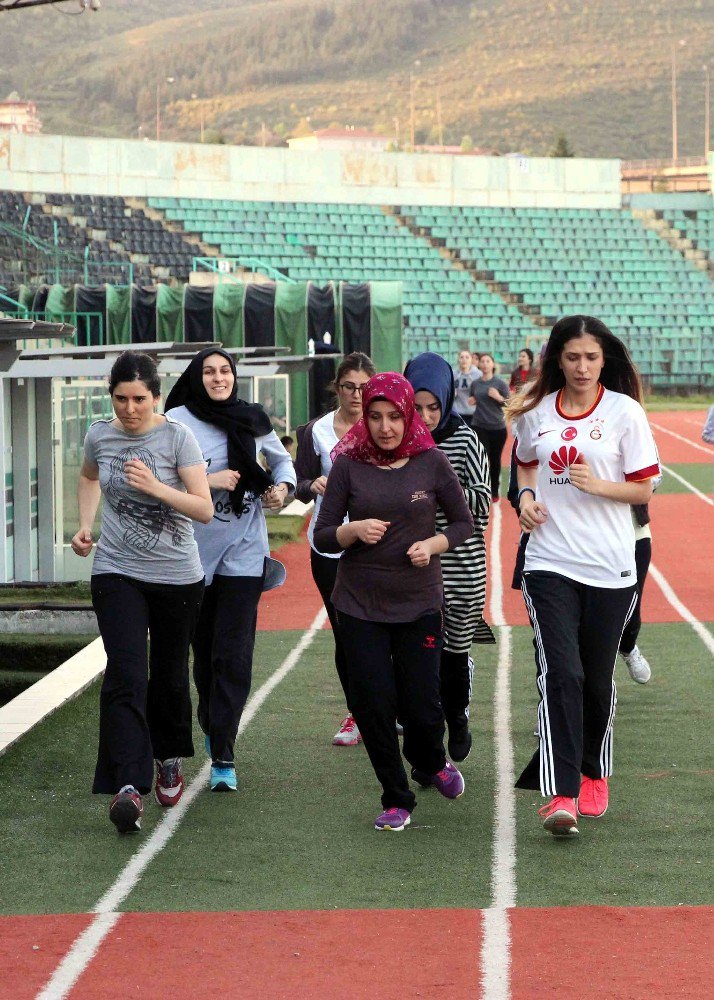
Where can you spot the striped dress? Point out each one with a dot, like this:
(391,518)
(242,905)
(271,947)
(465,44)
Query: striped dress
(464,568)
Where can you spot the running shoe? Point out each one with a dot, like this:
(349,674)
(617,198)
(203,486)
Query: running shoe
(223,778)
(460,740)
(348,734)
(637,665)
(560,816)
(169,781)
(393,819)
(422,778)
(593,797)
(449,781)
(126,810)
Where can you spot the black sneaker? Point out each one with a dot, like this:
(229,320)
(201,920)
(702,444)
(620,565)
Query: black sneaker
(460,740)
(126,810)
(422,778)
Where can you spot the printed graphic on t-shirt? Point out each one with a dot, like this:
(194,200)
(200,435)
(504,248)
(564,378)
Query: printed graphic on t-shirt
(142,520)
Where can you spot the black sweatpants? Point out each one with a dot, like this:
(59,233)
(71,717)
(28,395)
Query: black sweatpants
(145,703)
(324,573)
(456,683)
(394,671)
(493,442)
(223,647)
(576,634)
(643,555)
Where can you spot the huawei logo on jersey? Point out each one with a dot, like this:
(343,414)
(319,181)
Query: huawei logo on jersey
(564,457)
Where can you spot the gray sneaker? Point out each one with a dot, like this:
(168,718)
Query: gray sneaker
(637,665)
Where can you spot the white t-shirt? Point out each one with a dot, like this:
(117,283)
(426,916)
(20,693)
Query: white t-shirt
(586,538)
(324,440)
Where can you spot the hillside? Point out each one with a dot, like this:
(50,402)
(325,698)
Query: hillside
(510,73)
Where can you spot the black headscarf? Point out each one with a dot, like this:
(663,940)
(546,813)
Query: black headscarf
(242,422)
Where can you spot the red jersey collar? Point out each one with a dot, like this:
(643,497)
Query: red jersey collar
(580,416)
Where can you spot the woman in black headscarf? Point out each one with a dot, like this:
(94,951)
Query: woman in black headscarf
(233,546)
(463,568)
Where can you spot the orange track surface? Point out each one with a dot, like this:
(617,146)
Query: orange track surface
(688,424)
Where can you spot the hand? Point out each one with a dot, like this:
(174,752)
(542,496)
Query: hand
(318,486)
(140,477)
(532,513)
(82,542)
(226,480)
(495,394)
(582,478)
(274,498)
(370,531)
(420,553)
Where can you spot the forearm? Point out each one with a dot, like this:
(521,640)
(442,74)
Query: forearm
(438,543)
(198,508)
(88,496)
(629,493)
(527,477)
(346,534)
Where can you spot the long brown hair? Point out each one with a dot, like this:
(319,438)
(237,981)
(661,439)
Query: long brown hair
(618,374)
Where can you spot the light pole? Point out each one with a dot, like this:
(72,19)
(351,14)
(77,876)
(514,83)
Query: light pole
(169,79)
(675,135)
(707,111)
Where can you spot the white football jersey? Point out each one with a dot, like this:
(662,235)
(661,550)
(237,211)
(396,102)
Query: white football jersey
(586,538)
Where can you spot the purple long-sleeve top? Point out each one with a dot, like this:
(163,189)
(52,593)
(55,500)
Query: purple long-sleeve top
(378,582)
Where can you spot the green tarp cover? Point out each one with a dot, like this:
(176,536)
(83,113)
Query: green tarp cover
(386,323)
(228,314)
(118,324)
(60,301)
(291,331)
(169,314)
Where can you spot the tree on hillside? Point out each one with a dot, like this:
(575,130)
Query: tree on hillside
(467,144)
(561,149)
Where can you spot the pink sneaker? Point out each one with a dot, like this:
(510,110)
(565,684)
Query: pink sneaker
(593,798)
(348,734)
(560,816)
(393,819)
(450,781)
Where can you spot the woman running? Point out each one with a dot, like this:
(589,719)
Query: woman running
(523,370)
(464,568)
(585,454)
(389,477)
(312,467)
(489,395)
(151,472)
(233,545)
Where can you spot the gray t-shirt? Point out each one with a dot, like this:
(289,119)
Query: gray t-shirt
(463,382)
(141,537)
(488,412)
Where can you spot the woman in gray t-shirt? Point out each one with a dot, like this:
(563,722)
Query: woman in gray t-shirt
(146,579)
(489,395)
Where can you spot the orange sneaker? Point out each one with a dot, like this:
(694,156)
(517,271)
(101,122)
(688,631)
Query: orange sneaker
(560,816)
(592,801)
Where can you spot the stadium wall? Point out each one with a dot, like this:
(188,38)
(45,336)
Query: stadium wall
(71,165)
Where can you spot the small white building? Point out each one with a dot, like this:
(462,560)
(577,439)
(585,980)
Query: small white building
(344,140)
(19,116)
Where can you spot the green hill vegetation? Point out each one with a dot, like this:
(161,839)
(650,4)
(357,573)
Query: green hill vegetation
(511,74)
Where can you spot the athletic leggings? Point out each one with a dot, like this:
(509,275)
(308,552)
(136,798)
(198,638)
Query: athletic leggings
(394,671)
(324,573)
(643,554)
(493,441)
(576,634)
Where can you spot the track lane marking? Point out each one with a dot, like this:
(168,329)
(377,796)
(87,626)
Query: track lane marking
(496,939)
(690,486)
(680,437)
(88,942)
(684,612)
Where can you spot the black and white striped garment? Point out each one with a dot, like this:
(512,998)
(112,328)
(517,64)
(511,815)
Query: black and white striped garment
(464,569)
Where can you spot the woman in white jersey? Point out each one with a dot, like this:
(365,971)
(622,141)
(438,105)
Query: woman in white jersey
(312,467)
(585,454)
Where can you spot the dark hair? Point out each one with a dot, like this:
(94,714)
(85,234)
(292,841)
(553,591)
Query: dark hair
(131,366)
(355,362)
(618,374)
(528,351)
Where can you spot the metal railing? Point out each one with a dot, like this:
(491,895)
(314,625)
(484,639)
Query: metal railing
(226,267)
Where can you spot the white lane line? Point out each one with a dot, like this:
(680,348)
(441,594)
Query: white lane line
(86,945)
(496,940)
(685,482)
(679,437)
(703,632)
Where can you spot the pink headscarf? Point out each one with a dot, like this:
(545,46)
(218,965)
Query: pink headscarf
(358,444)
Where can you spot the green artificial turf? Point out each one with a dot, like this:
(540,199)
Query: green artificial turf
(699,474)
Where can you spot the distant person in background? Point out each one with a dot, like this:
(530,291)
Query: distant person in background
(287,442)
(313,462)
(147,580)
(708,431)
(489,395)
(465,374)
(523,371)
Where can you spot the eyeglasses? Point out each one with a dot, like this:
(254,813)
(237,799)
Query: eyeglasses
(351,387)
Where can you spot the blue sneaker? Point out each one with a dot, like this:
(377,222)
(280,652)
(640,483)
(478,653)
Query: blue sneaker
(223,779)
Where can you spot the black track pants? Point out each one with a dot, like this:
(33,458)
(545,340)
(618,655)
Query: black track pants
(456,681)
(577,630)
(324,573)
(493,441)
(223,657)
(643,554)
(394,671)
(145,702)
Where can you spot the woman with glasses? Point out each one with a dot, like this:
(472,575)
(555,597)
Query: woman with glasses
(312,467)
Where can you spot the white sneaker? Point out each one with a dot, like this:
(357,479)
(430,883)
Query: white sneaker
(637,665)
(348,734)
